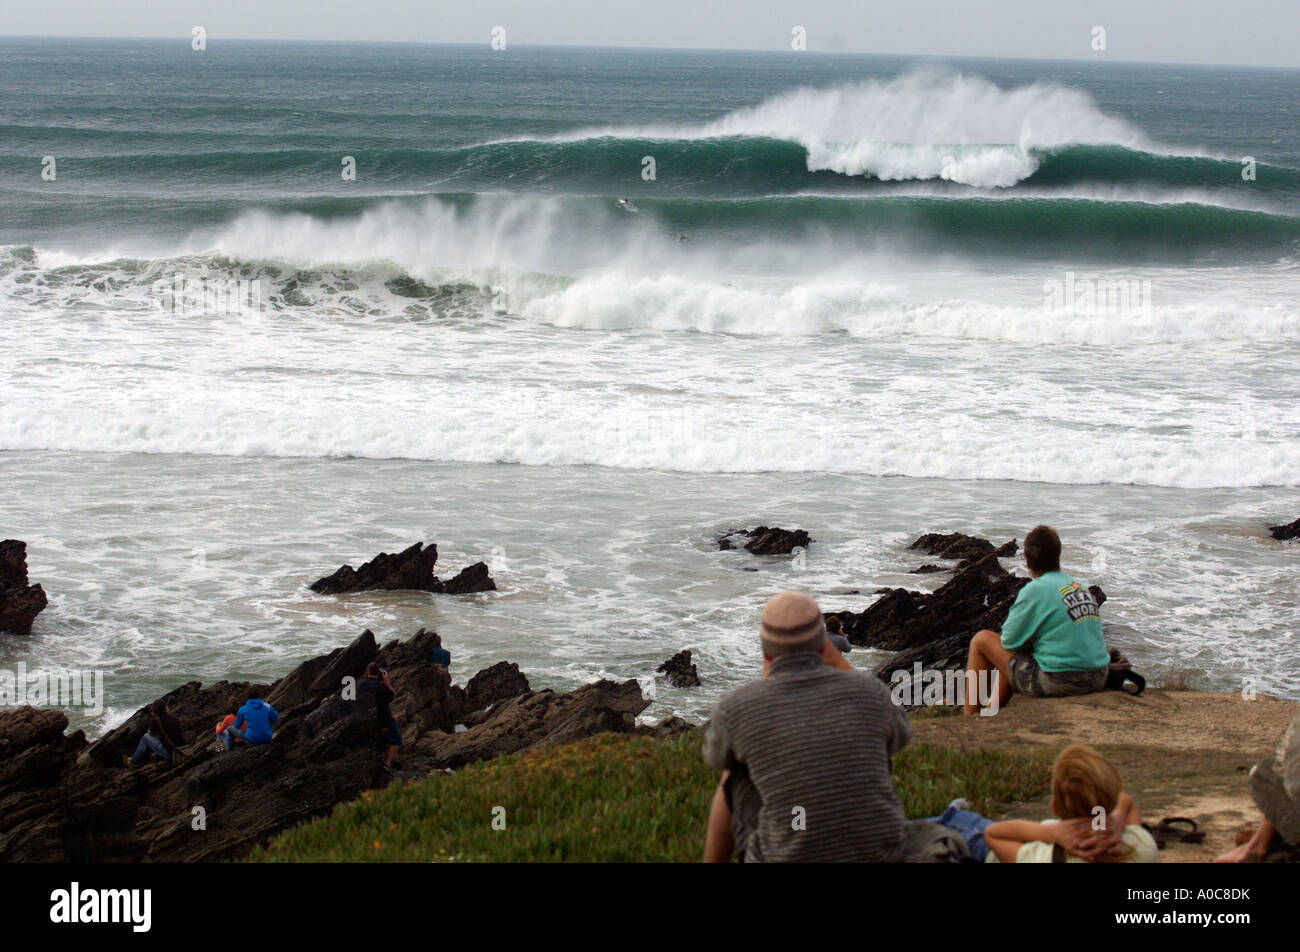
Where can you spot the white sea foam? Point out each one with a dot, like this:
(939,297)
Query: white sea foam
(925,124)
(838,377)
(881,310)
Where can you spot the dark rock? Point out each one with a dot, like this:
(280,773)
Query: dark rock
(681,672)
(474,578)
(493,685)
(765,540)
(532,720)
(24,727)
(943,654)
(896,608)
(1286,532)
(929,569)
(958,545)
(324,674)
(952,545)
(978,596)
(669,727)
(410,570)
(64,801)
(20,602)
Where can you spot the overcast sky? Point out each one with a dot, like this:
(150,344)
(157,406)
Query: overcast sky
(1245,32)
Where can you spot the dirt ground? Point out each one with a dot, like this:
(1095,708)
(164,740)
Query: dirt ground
(1181,753)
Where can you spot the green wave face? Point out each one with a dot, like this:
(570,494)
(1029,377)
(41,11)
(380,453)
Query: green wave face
(1117,165)
(730,166)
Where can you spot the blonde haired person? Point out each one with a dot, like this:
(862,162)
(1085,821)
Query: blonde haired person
(1086,788)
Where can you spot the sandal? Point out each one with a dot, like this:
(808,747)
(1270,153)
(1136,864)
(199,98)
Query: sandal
(1170,828)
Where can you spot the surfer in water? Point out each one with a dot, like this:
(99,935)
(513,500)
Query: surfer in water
(682,238)
(627,206)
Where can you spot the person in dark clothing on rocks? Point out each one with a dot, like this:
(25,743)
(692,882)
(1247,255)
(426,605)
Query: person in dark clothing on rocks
(376,684)
(835,635)
(441,657)
(163,737)
(804,758)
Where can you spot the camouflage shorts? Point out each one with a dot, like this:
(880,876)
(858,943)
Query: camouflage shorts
(1028,678)
(1280,809)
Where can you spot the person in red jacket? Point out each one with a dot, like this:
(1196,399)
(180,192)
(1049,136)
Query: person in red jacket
(232,709)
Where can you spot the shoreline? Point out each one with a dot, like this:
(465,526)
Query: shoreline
(1181,752)
(59,792)
(1199,592)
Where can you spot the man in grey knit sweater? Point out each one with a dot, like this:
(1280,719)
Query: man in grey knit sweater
(804,755)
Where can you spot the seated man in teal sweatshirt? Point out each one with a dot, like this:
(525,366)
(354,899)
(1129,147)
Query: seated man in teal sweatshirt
(1051,644)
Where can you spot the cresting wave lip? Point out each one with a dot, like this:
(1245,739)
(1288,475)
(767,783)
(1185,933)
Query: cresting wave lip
(292,299)
(924,124)
(575,234)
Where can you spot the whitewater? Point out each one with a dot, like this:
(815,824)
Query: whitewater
(839,306)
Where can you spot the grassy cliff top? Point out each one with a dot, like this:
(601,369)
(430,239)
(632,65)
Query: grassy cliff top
(621,798)
(610,798)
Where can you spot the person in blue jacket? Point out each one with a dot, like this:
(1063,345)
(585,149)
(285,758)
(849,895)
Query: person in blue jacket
(252,721)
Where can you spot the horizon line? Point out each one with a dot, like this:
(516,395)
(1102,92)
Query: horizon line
(184,38)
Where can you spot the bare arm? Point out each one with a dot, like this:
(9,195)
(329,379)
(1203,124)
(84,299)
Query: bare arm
(719,844)
(1007,836)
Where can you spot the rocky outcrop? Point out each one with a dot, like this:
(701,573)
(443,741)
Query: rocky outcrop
(411,569)
(62,799)
(680,670)
(24,727)
(1287,532)
(531,720)
(502,680)
(20,602)
(959,546)
(943,654)
(977,596)
(473,578)
(766,540)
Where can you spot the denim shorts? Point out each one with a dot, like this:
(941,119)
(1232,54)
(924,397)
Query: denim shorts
(970,826)
(390,735)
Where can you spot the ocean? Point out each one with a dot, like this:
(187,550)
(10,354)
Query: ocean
(273,307)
